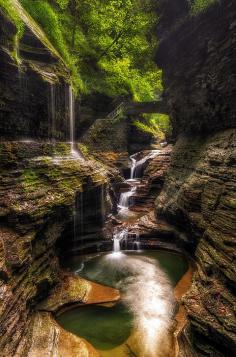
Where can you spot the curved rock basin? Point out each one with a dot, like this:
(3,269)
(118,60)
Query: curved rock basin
(141,322)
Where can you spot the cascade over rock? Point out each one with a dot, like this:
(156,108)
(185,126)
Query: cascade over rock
(39,183)
(53,202)
(37,199)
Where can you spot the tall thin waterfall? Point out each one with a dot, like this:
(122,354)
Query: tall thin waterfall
(103,203)
(53,111)
(72,119)
(23,83)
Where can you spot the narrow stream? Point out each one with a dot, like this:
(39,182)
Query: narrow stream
(125,214)
(141,323)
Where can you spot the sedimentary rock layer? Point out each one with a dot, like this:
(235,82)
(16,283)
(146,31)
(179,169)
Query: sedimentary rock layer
(198,54)
(199,198)
(37,200)
(33,90)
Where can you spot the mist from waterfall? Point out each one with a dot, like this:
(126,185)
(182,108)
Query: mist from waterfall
(147,292)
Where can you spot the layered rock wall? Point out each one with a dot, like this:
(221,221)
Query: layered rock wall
(37,200)
(33,90)
(198,57)
(39,183)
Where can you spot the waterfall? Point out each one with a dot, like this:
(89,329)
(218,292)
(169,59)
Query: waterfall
(136,242)
(53,111)
(137,165)
(133,164)
(103,203)
(119,237)
(76,153)
(72,119)
(124,201)
(22,83)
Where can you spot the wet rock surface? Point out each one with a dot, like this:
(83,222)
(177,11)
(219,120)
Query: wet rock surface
(46,337)
(29,84)
(75,290)
(199,199)
(200,85)
(37,199)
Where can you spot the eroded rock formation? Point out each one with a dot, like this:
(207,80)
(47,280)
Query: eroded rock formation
(198,57)
(34,93)
(39,184)
(37,200)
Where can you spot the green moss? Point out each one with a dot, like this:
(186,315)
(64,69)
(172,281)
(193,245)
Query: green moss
(31,180)
(198,6)
(61,149)
(45,15)
(157,125)
(85,150)
(13,15)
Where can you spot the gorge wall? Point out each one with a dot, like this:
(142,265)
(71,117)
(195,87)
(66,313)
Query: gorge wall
(39,183)
(34,92)
(198,56)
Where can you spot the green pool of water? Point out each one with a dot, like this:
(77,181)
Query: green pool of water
(175,265)
(108,327)
(104,327)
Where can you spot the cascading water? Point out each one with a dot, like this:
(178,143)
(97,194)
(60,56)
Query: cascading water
(119,237)
(148,293)
(124,201)
(78,219)
(137,165)
(125,197)
(136,240)
(133,165)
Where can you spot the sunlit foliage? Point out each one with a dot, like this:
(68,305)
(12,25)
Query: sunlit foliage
(156,124)
(10,11)
(201,5)
(109,45)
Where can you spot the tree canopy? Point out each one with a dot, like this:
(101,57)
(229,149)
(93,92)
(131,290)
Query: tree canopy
(109,45)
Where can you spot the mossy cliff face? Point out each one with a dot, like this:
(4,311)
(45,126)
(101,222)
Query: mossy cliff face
(198,197)
(33,87)
(37,197)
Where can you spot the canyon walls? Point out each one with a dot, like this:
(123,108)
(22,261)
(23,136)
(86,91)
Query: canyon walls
(37,201)
(198,56)
(33,89)
(39,183)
